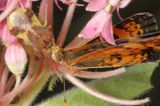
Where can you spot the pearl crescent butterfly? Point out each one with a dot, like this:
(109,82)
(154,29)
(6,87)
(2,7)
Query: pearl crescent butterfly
(137,41)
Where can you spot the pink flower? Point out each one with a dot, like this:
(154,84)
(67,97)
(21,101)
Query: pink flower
(3,4)
(102,21)
(16,58)
(8,6)
(96,5)
(5,35)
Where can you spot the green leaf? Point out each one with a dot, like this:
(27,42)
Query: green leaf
(128,85)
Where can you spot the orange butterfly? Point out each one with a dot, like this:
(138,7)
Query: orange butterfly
(136,41)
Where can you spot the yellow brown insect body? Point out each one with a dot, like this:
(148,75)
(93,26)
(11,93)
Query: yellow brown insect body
(26,26)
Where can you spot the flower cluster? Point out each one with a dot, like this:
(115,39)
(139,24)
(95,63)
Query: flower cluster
(14,58)
(38,53)
(102,21)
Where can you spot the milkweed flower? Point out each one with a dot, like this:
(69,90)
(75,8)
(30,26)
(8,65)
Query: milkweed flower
(8,6)
(42,66)
(14,59)
(102,21)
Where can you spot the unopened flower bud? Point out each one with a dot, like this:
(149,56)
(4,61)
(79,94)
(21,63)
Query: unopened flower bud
(16,59)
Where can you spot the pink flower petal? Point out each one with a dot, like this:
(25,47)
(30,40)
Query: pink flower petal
(10,6)
(107,32)
(56,2)
(95,5)
(26,3)
(123,4)
(68,2)
(5,35)
(3,4)
(95,25)
(42,11)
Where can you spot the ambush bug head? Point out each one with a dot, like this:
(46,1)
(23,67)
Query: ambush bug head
(17,19)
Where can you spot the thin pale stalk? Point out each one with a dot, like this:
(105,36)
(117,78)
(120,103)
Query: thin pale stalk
(30,70)
(10,83)
(2,62)
(39,70)
(18,81)
(11,95)
(66,24)
(29,80)
(90,75)
(9,9)
(102,96)
(97,75)
(30,93)
(3,80)
(46,13)
(2,66)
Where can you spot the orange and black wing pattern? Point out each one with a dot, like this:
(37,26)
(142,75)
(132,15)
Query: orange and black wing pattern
(137,24)
(141,47)
(100,55)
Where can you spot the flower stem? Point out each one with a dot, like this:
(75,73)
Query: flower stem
(5,13)
(66,24)
(18,81)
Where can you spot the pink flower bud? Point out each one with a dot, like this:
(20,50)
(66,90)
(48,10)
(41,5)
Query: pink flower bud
(15,58)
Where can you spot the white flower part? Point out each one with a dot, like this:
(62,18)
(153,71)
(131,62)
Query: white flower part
(16,59)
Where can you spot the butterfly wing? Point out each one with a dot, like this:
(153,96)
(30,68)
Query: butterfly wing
(100,55)
(137,24)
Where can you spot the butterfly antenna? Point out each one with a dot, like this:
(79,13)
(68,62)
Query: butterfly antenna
(64,90)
